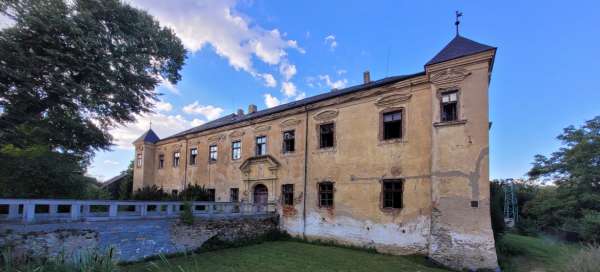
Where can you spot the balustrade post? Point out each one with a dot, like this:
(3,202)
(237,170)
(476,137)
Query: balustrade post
(75,211)
(29,212)
(112,210)
(143,210)
(86,210)
(169,209)
(52,210)
(13,211)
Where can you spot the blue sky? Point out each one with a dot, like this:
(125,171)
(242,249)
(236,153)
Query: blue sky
(241,52)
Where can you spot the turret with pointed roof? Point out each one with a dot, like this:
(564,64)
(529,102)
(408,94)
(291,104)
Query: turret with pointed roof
(457,48)
(148,137)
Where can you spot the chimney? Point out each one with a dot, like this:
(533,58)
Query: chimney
(251,109)
(366,77)
(240,112)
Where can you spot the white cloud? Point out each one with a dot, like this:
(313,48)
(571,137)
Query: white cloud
(269,80)
(331,42)
(111,162)
(231,34)
(338,84)
(166,84)
(209,112)
(341,72)
(163,125)
(287,70)
(271,101)
(300,96)
(163,106)
(5,22)
(288,88)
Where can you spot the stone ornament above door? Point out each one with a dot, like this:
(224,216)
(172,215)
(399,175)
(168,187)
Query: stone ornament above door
(260,168)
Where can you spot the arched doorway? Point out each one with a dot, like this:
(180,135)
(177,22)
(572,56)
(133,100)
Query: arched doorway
(261,195)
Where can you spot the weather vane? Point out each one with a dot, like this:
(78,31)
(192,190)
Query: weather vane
(150,124)
(457,22)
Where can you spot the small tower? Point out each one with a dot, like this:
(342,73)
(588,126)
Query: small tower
(143,165)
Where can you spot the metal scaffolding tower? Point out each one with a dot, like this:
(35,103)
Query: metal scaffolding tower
(511,209)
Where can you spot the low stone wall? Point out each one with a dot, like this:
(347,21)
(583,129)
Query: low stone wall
(133,240)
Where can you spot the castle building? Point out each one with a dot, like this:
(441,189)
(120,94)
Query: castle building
(399,164)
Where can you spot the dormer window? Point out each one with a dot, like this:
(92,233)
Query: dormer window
(449,106)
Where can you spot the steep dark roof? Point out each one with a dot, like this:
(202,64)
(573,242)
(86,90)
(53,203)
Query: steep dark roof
(148,137)
(459,47)
(233,118)
(113,180)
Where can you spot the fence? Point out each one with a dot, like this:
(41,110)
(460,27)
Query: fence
(40,210)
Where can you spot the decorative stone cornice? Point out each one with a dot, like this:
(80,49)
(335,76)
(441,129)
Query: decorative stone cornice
(216,138)
(326,115)
(392,99)
(289,123)
(236,134)
(262,128)
(449,75)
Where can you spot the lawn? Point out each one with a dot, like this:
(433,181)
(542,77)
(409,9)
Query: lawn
(534,253)
(288,257)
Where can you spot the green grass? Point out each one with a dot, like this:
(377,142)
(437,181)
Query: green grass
(288,257)
(524,253)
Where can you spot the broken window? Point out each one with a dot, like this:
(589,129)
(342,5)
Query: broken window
(261,145)
(234,194)
(236,150)
(289,141)
(212,153)
(193,156)
(139,160)
(449,106)
(392,125)
(211,195)
(176,156)
(161,161)
(326,135)
(326,194)
(392,194)
(287,194)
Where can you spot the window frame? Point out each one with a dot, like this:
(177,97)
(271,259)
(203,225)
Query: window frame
(233,149)
(212,194)
(139,160)
(441,94)
(237,194)
(286,198)
(161,161)
(320,135)
(256,145)
(403,131)
(193,155)
(392,191)
(211,152)
(284,142)
(176,158)
(320,192)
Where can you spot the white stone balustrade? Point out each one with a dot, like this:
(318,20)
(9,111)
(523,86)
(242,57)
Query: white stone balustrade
(42,210)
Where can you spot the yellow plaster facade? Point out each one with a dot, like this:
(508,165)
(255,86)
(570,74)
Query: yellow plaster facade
(443,166)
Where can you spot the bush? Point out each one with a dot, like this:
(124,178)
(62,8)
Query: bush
(586,260)
(92,261)
(153,193)
(187,215)
(194,193)
(497,208)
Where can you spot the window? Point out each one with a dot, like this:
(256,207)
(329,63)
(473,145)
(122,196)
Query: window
(392,194)
(392,125)
(236,150)
(449,107)
(139,160)
(289,139)
(174,192)
(326,194)
(161,161)
(326,135)
(261,145)
(193,156)
(176,156)
(212,153)
(234,194)
(287,194)
(211,195)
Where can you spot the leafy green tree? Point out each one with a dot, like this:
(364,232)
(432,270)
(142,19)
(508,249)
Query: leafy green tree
(70,70)
(126,186)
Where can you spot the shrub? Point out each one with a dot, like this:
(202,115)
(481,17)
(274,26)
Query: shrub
(586,260)
(194,193)
(187,215)
(151,193)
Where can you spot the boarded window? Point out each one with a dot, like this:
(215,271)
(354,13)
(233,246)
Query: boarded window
(326,135)
(261,145)
(212,153)
(234,194)
(193,156)
(289,141)
(449,106)
(287,194)
(139,160)
(211,195)
(161,161)
(176,157)
(326,194)
(392,194)
(236,150)
(392,125)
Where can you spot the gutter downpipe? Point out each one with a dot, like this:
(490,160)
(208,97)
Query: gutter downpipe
(305,173)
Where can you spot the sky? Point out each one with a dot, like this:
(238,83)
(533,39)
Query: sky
(260,52)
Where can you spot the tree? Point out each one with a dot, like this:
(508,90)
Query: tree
(70,70)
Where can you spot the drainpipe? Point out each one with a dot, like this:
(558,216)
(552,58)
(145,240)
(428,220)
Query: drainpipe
(186,164)
(305,173)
